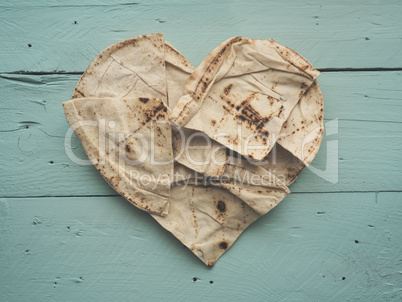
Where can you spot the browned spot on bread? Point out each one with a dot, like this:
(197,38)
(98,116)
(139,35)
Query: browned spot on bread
(252,118)
(280,110)
(221,206)
(227,89)
(157,111)
(79,92)
(213,122)
(227,109)
(210,263)
(144,100)
(250,156)
(223,245)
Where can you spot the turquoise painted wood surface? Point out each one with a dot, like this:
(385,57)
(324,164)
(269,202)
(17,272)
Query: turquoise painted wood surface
(66,236)
(331,34)
(103,249)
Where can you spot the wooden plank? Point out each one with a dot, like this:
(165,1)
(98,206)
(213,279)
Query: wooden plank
(362,96)
(67,37)
(33,161)
(104,249)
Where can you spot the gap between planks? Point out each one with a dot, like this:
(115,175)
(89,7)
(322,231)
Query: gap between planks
(116,195)
(321,70)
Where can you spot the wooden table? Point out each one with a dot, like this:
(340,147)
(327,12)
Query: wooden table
(65,235)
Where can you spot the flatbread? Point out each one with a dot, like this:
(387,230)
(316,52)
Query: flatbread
(178,69)
(302,133)
(151,123)
(125,86)
(198,152)
(243,92)
(128,141)
(205,225)
(130,68)
(299,140)
(208,216)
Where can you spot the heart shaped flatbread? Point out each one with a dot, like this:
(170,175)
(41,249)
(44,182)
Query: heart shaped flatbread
(152,125)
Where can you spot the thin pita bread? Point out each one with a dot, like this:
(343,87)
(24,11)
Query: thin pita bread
(128,141)
(208,217)
(178,69)
(227,95)
(204,226)
(197,151)
(299,140)
(134,83)
(126,86)
(130,68)
(302,133)
(207,225)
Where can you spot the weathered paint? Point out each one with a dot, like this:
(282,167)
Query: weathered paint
(330,34)
(104,249)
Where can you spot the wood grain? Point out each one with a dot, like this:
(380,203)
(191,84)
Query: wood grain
(103,249)
(67,37)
